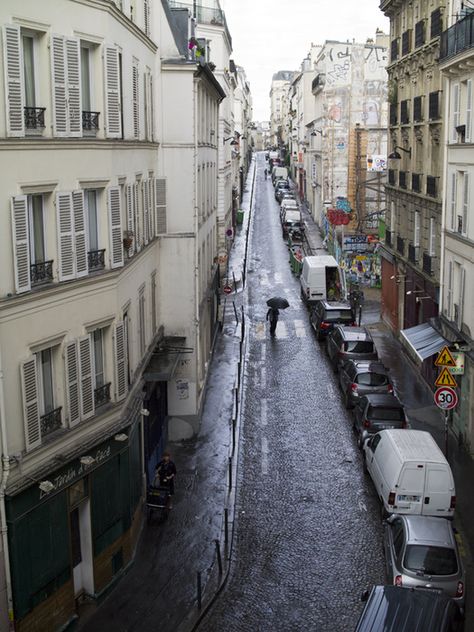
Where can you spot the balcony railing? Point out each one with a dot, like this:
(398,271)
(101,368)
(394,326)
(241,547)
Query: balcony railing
(417,109)
(391,177)
(413,253)
(90,121)
(402,179)
(96,260)
(50,422)
(416,182)
(41,272)
(404,115)
(419,33)
(459,37)
(427,263)
(102,395)
(431,188)
(401,245)
(388,238)
(433,106)
(436,23)
(34,117)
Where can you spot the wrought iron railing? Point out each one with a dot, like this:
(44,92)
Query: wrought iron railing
(96,260)
(459,37)
(427,263)
(388,237)
(401,245)
(90,121)
(34,117)
(102,395)
(50,422)
(431,188)
(41,272)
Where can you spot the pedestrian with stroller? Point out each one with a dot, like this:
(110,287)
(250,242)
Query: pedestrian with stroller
(166,471)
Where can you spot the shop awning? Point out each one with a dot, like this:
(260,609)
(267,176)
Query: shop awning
(165,358)
(422,341)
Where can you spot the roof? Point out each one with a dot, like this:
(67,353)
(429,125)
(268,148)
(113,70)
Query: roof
(422,341)
(416,445)
(383,399)
(333,305)
(354,333)
(429,529)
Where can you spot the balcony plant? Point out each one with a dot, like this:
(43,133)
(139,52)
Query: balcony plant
(127,239)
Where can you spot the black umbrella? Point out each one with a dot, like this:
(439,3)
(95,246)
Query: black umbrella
(277,302)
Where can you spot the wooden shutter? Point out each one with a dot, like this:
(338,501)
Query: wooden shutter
(135,102)
(138,218)
(72,383)
(14,88)
(121,364)
(115,227)
(130,217)
(160,206)
(146,16)
(67,268)
(146,202)
(462,283)
(455,119)
(86,377)
(465,202)
(80,238)
(113,122)
(31,414)
(454,201)
(21,247)
(74,87)
(151,212)
(58,72)
(469,111)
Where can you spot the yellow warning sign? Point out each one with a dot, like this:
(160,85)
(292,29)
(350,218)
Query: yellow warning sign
(445,378)
(445,359)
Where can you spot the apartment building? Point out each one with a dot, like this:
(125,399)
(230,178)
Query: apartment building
(108,292)
(281,81)
(456,62)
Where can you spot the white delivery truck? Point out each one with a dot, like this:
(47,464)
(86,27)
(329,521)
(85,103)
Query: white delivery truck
(322,279)
(279,173)
(410,473)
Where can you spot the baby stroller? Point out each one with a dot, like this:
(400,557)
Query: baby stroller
(158,501)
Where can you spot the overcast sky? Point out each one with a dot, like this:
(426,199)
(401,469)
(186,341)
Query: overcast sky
(272,35)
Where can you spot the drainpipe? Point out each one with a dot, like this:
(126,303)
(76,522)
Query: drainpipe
(196,242)
(3,514)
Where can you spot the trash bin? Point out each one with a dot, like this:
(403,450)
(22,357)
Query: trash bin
(240,216)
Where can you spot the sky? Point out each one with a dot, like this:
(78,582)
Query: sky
(272,35)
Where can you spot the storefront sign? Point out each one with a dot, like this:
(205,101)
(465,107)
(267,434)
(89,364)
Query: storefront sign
(458,357)
(376,163)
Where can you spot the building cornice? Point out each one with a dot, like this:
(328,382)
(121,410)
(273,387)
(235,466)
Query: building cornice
(41,144)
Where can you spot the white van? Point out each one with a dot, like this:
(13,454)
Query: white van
(320,274)
(410,473)
(279,173)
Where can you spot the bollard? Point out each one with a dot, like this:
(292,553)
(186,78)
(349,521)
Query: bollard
(219,558)
(199,590)
(226,525)
(230,473)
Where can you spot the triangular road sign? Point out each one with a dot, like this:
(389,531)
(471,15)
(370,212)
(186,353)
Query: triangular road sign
(445,359)
(445,379)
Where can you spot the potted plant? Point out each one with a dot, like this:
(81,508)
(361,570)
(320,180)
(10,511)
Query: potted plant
(127,239)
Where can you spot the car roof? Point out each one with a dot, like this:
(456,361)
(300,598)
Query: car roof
(354,333)
(429,530)
(335,305)
(383,399)
(368,366)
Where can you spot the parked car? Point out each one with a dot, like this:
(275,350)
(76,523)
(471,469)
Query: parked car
(360,377)
(375,412)
(349,343)
(324,315)
(393,609)
(422,551)
(282,185)
(291,220)
(280,192)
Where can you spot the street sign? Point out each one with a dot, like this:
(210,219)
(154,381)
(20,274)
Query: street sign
(445,378)
(445,358)
(227,289)
(446,398)
(459,360)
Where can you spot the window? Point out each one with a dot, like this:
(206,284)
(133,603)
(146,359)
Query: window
(98,353)
(418,109)
(449,292)
(28,44)
(404,114)
(433,105)
(453,201)
(436,23)
(430,560)
(86,79)
(153,302)
(141,321)
(392,217)
(465,202)
(90,200)
(416,235)
(36,228)
(419,33)
(432,237)
(45,374)
(455,112)
(468,90)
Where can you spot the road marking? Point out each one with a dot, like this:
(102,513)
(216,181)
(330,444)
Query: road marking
(281,331)
(300,329)
(264,412)
(263,377)
(260,331)
(264,455)
(278,277)
(264,353)
(362,506)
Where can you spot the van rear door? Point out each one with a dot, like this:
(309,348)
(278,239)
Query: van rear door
(439,497)
(409,493)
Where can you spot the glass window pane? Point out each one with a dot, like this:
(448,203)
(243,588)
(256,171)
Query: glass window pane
(91,202)
(431,560)
(98,357)
(29,71)
(47,380)
(85,80)
(36,229)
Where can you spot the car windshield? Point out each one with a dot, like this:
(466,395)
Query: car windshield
(389,414)
(372,379)
(339,315)
(359,346)
(430,560)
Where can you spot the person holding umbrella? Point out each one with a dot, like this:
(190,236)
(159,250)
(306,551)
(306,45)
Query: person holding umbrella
(275,304)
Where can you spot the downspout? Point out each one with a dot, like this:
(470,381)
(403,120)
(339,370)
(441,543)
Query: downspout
(196,242)
(3,513)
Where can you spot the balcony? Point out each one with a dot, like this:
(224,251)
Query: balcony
(404,114)
(204,15)
(413,253)
(433,106)
(431,188)
(416,182)
(417,109)
(102,395)
(402,179)
(389,238)
(391,177)
(427,263)
(394,50)
(459,37)
(41,272)
(436,23)
(90,121)
(419,34)
(34,118)
(50,422)
(96,260)
(406,42)
(401,245)
(393,114)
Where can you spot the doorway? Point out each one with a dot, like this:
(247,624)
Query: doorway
(81,539)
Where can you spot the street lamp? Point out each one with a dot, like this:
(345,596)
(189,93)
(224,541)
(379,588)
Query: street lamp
(232,140)
(396,156)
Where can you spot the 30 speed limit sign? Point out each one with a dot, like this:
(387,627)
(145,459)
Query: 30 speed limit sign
(446,397)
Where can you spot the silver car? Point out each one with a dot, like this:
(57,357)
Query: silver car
(422,551)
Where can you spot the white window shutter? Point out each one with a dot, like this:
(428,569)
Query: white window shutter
(14,90)
(74,87)
(58,73)
(86,377)
(454,201)
(469,111)
(462,283)
(455,119)
(465,202)
(29,384)
(113,122)
(21,247)
(145,205)
(135,102)
(152,207)
(160,206)
(130,217)
(72,383)
(67,268)
(138,219)
(115,227)
(121,364)
(146,16)
(449,292)
(80,240)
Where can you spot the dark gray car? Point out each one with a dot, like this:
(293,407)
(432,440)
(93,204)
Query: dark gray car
(349,343)
(422,551)
(361,377)
(375,412)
